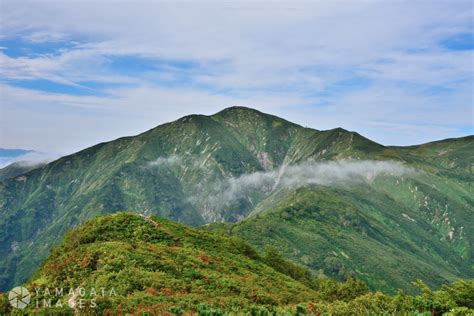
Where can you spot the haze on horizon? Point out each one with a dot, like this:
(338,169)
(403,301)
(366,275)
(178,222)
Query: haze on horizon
(76,73)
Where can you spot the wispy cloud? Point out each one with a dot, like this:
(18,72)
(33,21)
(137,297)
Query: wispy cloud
(165,161)
(45,37)
(29,159)
(227,192)
(322,64)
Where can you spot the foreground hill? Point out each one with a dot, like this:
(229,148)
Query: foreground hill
(132,264)
(333,200)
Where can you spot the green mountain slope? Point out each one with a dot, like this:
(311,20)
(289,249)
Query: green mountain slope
(18,168)
(128,263)
(241,162)
(386,231)
(165,264)
(360,233)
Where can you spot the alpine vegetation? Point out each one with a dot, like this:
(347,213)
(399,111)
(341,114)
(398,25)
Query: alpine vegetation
(333,201)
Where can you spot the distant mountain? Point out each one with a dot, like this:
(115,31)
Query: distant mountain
(333,200)
(7,156)
(133,264)
(4,153)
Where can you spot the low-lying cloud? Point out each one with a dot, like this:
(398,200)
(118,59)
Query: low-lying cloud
(31,159)
(165,161)
(217,195)
(294,176)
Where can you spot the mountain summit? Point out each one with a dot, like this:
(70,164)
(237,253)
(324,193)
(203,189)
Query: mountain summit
(333,200)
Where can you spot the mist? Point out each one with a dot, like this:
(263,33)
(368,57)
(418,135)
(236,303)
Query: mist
(293,176)
(331,173)
(29,160)
(165,161)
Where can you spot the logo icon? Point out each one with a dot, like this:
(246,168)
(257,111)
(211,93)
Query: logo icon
(19,297)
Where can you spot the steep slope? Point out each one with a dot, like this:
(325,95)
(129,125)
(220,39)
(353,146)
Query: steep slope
(364,233)
(387,230)
(267,137)
(176,170)
(148,173)
(221,168)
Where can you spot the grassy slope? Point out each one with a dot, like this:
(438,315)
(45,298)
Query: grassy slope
(331,234)
(39,206)
(160,264)
(148,265)
(387,232)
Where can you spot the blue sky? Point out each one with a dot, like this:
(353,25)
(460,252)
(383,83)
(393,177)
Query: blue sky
(75,73)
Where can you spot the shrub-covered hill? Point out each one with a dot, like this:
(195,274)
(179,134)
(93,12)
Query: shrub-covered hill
(126,263)
(157,264)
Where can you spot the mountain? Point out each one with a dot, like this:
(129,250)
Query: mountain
(333,200)
(12,153)
(128,263)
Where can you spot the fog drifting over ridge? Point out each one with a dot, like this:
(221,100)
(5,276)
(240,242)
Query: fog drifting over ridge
(309,172)
(31,159)
(329,173)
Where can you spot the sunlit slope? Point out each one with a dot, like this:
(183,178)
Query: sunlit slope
(172,171)
(155,264)
(126,263)
(387,233)
(200,169)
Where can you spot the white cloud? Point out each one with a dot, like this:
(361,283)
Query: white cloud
(334,173)
(29,159)
(165,161)
(36,117)
(282,57)
(45,36)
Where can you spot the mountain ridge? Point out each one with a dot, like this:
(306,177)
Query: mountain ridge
(182,170)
